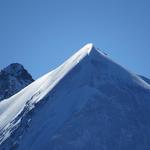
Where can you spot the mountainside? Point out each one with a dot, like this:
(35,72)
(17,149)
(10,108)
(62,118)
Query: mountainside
(13,78)
(145,79)
(89,102)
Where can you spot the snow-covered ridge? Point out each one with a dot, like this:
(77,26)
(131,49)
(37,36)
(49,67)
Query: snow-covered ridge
(46,82)
(32,94)
(12,107)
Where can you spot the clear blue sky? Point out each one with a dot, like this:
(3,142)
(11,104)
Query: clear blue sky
(41,34)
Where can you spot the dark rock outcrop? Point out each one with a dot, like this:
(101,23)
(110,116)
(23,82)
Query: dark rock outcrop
(13,78)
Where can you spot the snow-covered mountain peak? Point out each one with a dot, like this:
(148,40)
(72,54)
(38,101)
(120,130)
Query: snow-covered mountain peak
(87,48)
(87,51)
(86,100)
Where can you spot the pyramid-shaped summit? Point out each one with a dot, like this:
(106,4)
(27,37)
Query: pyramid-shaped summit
(89,102)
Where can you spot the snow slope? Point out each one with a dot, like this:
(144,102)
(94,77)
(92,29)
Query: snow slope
(145,79)
(11,108)
(89,102)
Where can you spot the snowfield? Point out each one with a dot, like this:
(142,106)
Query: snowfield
(89,102)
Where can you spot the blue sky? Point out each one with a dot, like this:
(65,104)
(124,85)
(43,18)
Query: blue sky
(42,34)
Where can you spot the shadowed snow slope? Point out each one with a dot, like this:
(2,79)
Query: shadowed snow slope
(89,102)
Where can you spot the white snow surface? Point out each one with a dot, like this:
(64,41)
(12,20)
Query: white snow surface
(69,98)
(12,107)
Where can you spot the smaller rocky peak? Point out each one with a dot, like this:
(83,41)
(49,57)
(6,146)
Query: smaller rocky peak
(13,78)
